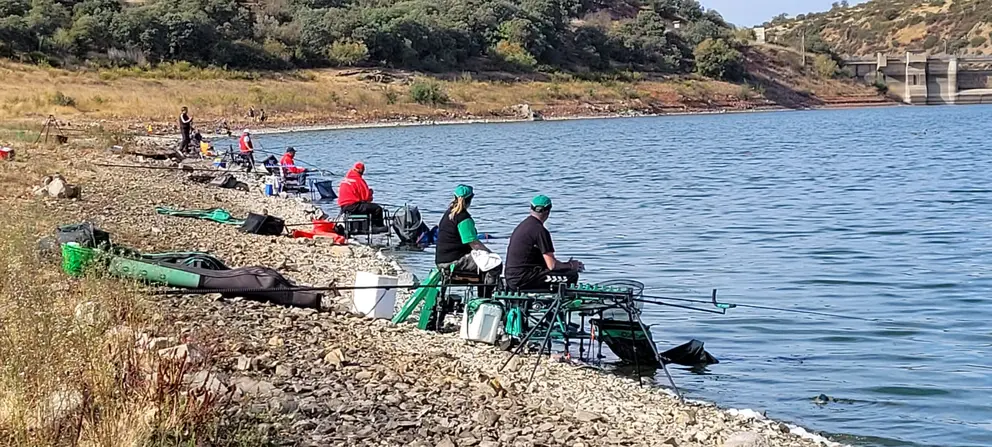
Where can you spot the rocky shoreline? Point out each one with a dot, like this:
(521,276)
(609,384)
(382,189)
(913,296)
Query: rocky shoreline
(303,377)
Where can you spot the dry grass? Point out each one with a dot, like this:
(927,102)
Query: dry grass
(67,380)
(136,98)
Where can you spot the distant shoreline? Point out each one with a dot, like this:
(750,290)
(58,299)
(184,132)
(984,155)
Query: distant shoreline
(386,124)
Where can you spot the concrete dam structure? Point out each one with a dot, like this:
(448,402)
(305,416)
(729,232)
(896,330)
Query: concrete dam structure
(935,79)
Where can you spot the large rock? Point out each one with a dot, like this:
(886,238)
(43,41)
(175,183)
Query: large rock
(59,406)
(208,381)
(59,188)
(746,439)
(91,314)
(251,387)
(183,353)
(334,357)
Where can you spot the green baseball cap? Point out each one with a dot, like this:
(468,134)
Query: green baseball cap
(464,191)
(540,203)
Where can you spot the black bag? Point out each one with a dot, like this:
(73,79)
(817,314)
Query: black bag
(85,234)
(271,165)
(408,225)
(224,181)
(264,225)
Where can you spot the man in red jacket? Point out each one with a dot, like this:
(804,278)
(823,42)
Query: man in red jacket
(288,162)
(355,196)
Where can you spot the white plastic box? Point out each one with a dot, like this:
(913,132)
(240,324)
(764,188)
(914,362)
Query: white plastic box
(374,303)
(485,325)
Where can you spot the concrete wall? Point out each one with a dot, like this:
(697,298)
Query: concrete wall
(922,79)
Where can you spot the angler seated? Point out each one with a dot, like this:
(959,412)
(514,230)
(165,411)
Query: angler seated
(531,265)
(459,250)
(288,168)
(355,197)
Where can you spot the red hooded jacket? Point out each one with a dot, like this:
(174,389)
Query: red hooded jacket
(289,164)
(353,189)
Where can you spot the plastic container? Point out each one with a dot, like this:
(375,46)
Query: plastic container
(485,324)
(75,258)
(269,190)
(374,303)
(220,164)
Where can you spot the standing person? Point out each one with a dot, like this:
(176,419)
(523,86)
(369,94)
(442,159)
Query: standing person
(458,243)
(185,128)
(247,149)
(261,115)
(530,257)
(355,196)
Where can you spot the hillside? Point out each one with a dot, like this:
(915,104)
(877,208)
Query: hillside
(892,26)
(428,35)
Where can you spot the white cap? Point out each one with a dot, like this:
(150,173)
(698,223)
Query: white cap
(246,131)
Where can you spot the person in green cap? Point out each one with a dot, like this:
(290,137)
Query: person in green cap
(531,264)
(458,243)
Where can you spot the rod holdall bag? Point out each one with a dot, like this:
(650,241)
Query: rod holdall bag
(264,225)
(84,233)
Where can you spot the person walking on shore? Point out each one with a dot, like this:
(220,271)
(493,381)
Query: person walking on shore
(185,128)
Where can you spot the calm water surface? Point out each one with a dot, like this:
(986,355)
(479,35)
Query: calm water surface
(881,213)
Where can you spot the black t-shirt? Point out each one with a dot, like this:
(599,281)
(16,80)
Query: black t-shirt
(528,244)
(450,245)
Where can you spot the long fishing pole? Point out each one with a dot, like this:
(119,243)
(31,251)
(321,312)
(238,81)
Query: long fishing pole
(163,168)
(315,168)
(655,299)
(303,289)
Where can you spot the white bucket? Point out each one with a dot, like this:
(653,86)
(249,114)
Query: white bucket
(374,303)
(485,325)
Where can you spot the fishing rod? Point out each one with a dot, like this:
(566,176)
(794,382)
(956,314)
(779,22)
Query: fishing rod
(315,168)
(163,168)
(656,299)
(304,289)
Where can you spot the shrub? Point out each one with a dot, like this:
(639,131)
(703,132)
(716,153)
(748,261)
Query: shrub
(515,56)
(391,96)
(978,41)
(717,59)
(428,92)
(880,85)
(347,52)
(930,42)
(825,66)
(60,99)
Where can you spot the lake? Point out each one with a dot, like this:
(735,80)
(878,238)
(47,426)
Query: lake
(876,213)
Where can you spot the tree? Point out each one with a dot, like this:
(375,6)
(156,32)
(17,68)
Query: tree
(825,66)
(645,41)
(717,59)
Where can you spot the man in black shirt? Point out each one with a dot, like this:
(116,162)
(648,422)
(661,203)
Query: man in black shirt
(530,258)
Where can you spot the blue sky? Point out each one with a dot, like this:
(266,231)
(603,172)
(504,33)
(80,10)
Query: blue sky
(755,12)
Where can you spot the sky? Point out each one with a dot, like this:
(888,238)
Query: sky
(756,12)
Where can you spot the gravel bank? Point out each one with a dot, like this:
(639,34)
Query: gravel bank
(303,377)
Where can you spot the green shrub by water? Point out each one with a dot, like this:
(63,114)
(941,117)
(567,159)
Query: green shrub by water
(428,92)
